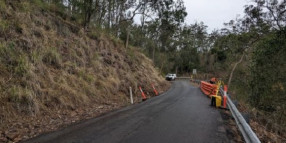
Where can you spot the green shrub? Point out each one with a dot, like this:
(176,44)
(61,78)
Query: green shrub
(25,6)
(95,56)
(4,25)
(52,57)
(14,59)
(131,54)
(86,76)
(39,3)
(35,57)
(2,5)
(28,6)
(268,69)
(17,94)
(22,66)
(94,35)
(18,27)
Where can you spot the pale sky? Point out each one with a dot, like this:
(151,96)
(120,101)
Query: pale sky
(214,12)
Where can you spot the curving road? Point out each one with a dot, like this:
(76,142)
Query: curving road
(181,115)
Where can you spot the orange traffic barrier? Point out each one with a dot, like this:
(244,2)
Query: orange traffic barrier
(224,96)
(213,80)
(142,94)
(155,91)
(208,89)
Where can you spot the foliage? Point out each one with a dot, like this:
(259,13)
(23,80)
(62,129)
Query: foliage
(267,79)
(20,95)
(2,5)
(159,29)
(14,60)
(36,67)
(4,25)
(260,36)
(52,57)
(173,45)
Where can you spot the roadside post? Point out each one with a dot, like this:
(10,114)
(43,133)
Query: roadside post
(131,96)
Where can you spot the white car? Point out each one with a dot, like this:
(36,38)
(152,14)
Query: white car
(171,76)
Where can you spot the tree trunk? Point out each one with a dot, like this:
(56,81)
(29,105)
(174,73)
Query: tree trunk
(233,69)
(176,70)
(153,54)
(127,38)
(109,14)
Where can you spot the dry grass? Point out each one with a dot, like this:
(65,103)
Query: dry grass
(264,125)
(47,67)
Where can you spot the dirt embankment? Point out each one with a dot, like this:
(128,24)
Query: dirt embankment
(53,73)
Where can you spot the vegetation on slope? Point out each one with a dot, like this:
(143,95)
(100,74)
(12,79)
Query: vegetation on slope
(54,51)
(258,41)
(52,70)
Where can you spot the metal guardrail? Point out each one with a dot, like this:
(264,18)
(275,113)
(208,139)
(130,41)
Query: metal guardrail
(247,133)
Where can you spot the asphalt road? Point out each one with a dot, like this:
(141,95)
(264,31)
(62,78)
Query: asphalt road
(181,115)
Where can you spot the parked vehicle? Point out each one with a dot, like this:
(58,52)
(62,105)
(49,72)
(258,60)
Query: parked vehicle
(171,76)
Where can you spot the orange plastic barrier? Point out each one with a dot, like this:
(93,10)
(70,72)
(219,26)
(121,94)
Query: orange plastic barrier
(208,89)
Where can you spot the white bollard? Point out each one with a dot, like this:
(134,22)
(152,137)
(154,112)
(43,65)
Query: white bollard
(131,96)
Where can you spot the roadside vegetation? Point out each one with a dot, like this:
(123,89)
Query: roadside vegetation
(67,54)
(55,72)
(256,43)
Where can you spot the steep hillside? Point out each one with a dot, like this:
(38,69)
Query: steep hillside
(53,73)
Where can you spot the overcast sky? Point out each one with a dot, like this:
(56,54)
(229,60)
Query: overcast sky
(214,12)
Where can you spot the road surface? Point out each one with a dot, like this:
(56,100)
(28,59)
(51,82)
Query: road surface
(181,115)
